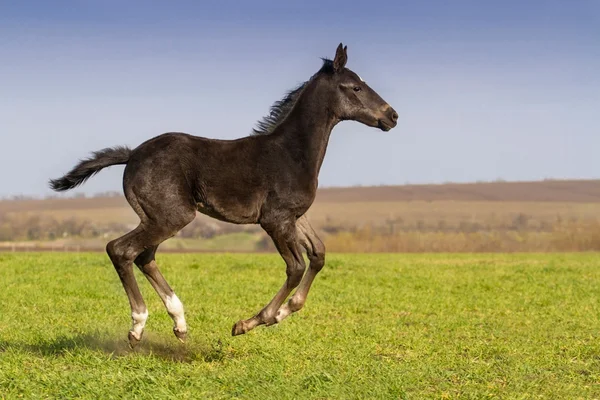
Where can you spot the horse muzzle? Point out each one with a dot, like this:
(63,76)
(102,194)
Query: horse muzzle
(388,120)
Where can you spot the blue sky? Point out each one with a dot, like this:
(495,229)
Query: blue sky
(484,90)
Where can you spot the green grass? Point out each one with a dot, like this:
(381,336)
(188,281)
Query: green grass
(375,326)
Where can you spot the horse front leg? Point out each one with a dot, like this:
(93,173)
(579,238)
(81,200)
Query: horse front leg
(286,241)
(315,249)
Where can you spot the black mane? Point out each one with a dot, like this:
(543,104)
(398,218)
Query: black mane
(281,108)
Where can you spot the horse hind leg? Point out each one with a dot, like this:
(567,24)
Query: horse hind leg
(146,262)
(122,252)
(125,250)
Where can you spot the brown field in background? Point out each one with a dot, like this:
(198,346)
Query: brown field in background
(498,216)
(580,191)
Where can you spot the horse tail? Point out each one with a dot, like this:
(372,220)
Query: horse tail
(90,166)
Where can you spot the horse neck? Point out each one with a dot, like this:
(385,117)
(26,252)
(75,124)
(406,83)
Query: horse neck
(305,132)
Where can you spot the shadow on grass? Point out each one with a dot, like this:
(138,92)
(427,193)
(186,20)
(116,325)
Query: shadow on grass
(176,352)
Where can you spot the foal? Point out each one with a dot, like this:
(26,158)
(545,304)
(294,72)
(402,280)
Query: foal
(269,178)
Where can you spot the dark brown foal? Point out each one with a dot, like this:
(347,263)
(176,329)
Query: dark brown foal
(269,178)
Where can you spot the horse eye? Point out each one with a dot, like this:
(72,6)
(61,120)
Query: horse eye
(357,88)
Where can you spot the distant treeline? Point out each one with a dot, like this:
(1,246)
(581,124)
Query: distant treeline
(36,226)
(549,215)
(564,236)
(516,234)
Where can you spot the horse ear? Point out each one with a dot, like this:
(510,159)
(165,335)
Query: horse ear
(339,62)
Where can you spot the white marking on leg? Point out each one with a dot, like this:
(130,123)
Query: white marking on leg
(175,310)
(294,304)
(138,321)
(283,312)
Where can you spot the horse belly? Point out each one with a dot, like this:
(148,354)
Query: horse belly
(234,213)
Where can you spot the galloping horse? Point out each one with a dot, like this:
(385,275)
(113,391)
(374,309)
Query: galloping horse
(268,178)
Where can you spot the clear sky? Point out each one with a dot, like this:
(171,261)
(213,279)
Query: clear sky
(484,90)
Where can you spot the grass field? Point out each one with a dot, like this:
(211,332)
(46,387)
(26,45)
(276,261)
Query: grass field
(375,326)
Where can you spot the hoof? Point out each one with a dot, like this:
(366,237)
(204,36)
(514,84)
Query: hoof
(239,328)
(180,335)
(133,341)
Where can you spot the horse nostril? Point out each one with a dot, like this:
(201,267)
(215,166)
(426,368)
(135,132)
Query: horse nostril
(394,116)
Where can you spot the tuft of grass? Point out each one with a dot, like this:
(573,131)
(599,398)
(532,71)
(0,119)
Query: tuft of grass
(375,326)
